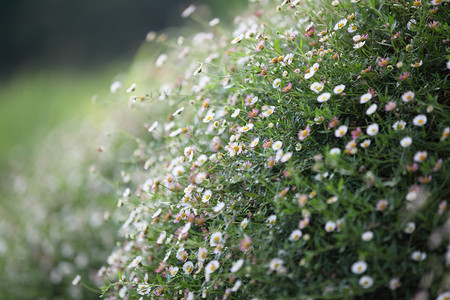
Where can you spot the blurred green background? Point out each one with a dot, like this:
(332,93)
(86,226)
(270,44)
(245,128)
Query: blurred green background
(56,57)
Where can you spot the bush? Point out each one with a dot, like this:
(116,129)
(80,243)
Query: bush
(306,156)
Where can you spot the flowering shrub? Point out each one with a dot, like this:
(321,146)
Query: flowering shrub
(306,157)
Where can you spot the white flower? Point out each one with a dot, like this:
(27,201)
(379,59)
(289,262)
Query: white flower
(188,267)
(247,127)
(236,286)
(216,239)
(341,131)
(335,2)
(153,127)
(367,236)
(408,96)
(219,207)
(237,265)
(394,284)
(335,151)
(236,113)
(411,24)
(359,267)
(410,227)
(286,157)
(372,129)
(339,89)
(323,97)
(237,39)
(399,125)
(173,271)
(371,109)
(364,98)
(340,24)
(143,289)
(420,156)
(202,253)
(359,45)
(244,223)
(115,86)
(254,143)
(366,282)
(135,263)
(206,196)
(444,296)
(208,117)
(268,111)
(420,120)
(295,235)
(76,280)
(212,266)
(352,28)
(316,87)
(214,22)
(276,264)
(276,83)
(271,220)
(330,226)
(161,60)
(277,145)
(365,143)
(131,88)
(188,11)
(406,141)
(418,256)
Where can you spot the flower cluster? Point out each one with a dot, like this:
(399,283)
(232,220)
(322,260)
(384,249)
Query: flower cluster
(309,159)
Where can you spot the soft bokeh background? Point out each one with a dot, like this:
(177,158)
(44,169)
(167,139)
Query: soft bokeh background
(57,62)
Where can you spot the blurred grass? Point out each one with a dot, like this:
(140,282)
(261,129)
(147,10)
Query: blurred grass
(32,103)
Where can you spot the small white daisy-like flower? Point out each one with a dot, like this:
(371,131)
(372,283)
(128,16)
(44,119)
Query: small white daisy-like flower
(367,236)
(271,220)
(418,256)
(365,98)
(212,266)
(237,265)
(188,11)
(316,87)
(208,117)
(286,157)
(76,280)
(357,38)
(399,125)
(352,28)
(339,89)
(143,289)
(219,207)
(173,271)
(410,227)
(115,86)
(206,196)
(202,253)
(235,113)
(268,111)
(247,127)
(276,83)
(330,226)
(335,151)
(295,235)
(135,263)
(131,88)
(332,200)
(371,109)
(323,97)
(277,145)
(276,264)
(340,24)
(420,156)
(309,75)
(214,22)
(254,143)
(411,24)
(417,64)
(420,120)
(366,282)
(335,2)
(408,96)
(153,127)
(244,223)
(444,296)
(365,143)
(359,45)
(359,267)
(188,267)
(372,129)
(236,285)
(237,39)
(216,239)
(341,131)
(315,67)
(394,284)
(201,160)
(406,141)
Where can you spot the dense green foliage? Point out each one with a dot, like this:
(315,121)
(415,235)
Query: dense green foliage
(306,157)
